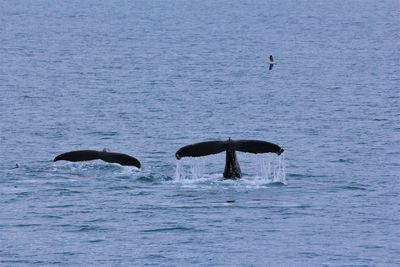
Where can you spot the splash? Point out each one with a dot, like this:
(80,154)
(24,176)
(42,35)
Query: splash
(271,169)
(194,170)
(260,170)
(94,168)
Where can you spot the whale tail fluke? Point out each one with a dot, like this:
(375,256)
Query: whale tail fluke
(120,158)
(201,149)
(214,147)
(80,155)
(256,147)
(86,155)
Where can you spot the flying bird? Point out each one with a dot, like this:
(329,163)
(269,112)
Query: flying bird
(271,62)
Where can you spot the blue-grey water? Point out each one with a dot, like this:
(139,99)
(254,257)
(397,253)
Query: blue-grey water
(148,77)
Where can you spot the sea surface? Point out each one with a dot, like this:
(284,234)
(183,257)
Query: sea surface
(148,77)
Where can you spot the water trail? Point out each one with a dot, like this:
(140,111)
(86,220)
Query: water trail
(193,170)
(178,172)
(270,169)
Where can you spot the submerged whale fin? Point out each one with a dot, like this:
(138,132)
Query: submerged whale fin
(255,146)
(201,149)
(85,155)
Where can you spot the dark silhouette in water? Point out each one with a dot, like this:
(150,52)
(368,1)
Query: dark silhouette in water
(271,62)
(85,155)
(232,167)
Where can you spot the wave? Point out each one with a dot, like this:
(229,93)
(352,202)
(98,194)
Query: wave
(169,229)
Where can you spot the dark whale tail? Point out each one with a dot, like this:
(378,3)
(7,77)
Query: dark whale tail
(214,147)
(232,167)
(111,157)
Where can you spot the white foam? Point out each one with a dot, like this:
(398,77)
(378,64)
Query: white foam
(94,167)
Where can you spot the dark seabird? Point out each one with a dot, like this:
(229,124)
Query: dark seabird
(271,62)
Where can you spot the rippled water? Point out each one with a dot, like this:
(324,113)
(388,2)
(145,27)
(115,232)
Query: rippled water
(147,77)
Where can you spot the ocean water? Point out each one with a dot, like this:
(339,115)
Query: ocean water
(148,77)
